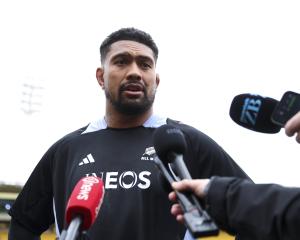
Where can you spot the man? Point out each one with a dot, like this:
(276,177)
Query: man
(119,149)
(257,211)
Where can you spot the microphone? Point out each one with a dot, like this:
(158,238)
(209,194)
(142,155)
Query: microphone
(83,206)
(170,145)
(254,112)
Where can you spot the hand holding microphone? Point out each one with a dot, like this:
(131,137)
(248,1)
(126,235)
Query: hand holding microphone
(293,127)
(170,146)
(83,206)
(197,186)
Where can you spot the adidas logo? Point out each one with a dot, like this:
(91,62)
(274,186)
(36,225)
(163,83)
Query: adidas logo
(89,159)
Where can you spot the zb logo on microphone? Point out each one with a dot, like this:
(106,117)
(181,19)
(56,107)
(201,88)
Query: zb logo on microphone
(250,111)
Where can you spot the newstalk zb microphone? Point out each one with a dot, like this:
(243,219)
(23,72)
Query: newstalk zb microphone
(254,112)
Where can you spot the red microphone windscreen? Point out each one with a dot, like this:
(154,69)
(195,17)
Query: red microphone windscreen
(85,201)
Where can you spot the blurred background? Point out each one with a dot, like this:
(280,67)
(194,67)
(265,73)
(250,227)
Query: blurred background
(210,51)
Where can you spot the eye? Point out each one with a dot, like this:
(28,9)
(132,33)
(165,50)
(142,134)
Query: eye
(120,61)
(145,65)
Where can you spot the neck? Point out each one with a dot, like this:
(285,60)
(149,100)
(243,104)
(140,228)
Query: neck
(115,119)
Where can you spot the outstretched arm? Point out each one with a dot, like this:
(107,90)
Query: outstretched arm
(19,232)
(254,211)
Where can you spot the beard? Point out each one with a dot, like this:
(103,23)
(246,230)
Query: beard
(129,106)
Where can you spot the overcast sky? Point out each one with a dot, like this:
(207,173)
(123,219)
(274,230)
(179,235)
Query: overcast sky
(210,51)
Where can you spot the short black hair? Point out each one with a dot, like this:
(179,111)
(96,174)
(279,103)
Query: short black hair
(131,34)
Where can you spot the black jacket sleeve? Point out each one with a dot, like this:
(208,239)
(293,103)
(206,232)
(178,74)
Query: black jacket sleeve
(33,208)
(17,231)
(254,211)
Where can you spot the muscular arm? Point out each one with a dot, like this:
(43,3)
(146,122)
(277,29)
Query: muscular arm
(19,232)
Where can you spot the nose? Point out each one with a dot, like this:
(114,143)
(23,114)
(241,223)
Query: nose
(134,72)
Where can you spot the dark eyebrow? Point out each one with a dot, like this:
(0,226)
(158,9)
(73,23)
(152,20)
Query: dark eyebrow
(128,55)
(146,58)
(120,56)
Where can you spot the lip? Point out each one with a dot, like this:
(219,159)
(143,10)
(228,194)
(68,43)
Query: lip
(133,89)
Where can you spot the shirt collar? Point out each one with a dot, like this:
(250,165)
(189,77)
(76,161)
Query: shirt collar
(154,121)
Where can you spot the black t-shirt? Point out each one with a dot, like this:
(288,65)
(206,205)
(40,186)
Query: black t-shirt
(135,204)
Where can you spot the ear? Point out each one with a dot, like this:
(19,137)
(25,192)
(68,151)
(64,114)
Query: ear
(99,76)
(157,79)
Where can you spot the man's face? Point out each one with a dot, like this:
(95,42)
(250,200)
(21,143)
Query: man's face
(129,78)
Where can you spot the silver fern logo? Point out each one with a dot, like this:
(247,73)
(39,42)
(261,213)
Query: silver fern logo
(148,154)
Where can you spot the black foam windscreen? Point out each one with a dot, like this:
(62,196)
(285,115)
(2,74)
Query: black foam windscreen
(168,139)
(254,112)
